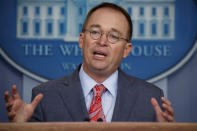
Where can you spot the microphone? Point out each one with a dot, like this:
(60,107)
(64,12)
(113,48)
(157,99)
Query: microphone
(99,120)
(87,119)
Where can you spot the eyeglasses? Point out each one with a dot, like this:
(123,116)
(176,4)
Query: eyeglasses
(112,36)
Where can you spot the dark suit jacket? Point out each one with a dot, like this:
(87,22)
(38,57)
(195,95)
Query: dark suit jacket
(64,100)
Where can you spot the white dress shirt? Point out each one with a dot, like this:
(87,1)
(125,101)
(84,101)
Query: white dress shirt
(108,97)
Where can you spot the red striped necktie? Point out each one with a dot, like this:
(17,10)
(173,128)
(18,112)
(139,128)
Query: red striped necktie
(96,111)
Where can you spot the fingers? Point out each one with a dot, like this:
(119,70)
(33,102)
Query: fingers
(11,116)
(167,106)
(168,114)
(169,111)
(9,106)
(166,101)
(7,97)
(156,106)
(158,111)
(15,93)
(9,101)
(167,117)
(36,100)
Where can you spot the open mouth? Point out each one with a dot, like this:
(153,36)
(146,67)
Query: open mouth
(99,54)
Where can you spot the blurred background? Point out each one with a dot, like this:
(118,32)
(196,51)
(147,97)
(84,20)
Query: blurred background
(38,42)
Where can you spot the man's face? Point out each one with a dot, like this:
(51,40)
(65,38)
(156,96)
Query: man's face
(100,56)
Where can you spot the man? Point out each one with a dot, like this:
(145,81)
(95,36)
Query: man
(98,90)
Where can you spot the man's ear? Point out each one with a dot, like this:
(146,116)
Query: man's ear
(127,49)
(81,38)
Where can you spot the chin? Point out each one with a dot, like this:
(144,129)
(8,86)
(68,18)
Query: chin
(99,66)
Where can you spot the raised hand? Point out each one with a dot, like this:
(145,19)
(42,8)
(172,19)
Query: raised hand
(163,116)
(18,110)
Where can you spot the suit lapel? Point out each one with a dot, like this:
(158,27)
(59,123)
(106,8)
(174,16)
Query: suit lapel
(126,98)
(73,97)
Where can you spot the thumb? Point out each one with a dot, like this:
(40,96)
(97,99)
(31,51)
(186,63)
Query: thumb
(156,106)
(158,110)
(36,100)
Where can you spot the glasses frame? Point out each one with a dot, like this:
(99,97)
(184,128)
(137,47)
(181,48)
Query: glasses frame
(107,35)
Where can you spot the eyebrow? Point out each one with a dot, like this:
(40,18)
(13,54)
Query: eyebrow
(98,26)
(112,29)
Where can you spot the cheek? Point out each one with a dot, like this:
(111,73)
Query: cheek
(86,48)
(118,52)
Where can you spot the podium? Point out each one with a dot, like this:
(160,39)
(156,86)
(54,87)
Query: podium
(98,126)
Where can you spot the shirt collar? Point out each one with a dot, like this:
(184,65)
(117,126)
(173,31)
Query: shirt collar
(111,83)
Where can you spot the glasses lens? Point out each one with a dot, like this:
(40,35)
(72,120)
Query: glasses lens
(113,37)
(95,34)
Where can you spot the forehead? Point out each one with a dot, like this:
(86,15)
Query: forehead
(108,19)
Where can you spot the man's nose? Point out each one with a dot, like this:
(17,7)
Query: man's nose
(103,39)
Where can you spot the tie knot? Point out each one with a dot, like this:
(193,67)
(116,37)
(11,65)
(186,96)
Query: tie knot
(99,89)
